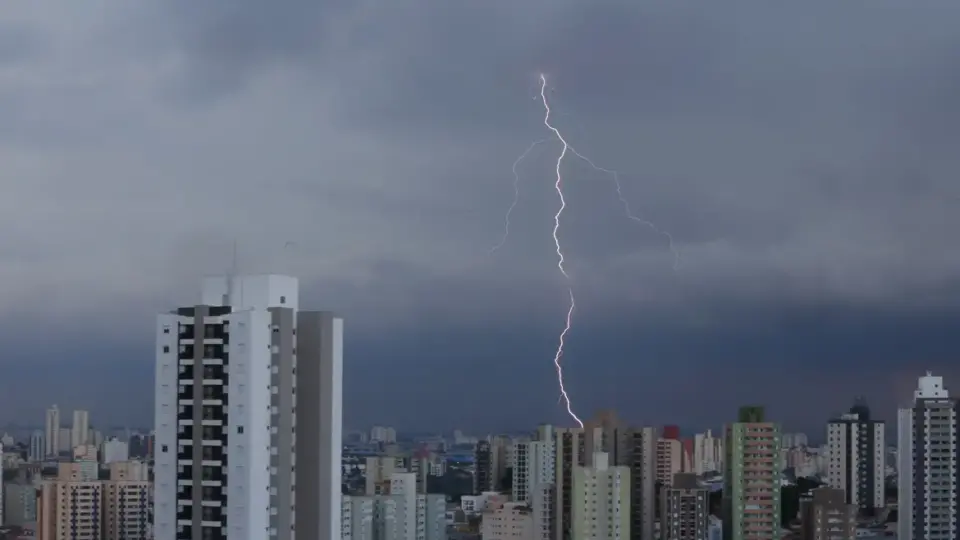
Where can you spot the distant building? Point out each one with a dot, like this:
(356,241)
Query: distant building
(115,450)
(19,504)
(76,507)
(80,431)
(509,521)
(751,477)
(856,457)
(669,460)
(684,509)
(630,447)
(37,450)
(825,515)
(52,438)
(928,481)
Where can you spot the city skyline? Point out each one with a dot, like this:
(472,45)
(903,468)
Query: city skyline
(801,157)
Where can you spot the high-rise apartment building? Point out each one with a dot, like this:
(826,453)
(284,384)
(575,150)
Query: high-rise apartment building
(37,450)
(601,500)
(928,478)
(80,429)
(856,457)
(625,446)
(534,479)
(751,478)
(669,460)
(483,461)
(825,515)
(239,452)
(684,509)
(78,506)
(52,436)
(707,453)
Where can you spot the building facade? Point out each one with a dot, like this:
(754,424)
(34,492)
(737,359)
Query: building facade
(601,500)
(52,437)
(856,458)
(751,478)
(684,509)
(826,515)
(230,423)
(928,478)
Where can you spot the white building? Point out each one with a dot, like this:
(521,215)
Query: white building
(52,436)
(534,479)
(388,517)
(601,500)
(707,453)
(856,457)
(383,434)
(37,450)
(227,376)
(80,429)
(114,451)
(927,469)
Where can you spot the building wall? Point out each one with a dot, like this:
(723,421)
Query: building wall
(752,476)
(929,473)
(601,500)
(512,521)
(319,423)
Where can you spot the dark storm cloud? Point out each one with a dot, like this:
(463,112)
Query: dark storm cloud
(802,157)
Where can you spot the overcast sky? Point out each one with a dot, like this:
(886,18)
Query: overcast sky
(803,158)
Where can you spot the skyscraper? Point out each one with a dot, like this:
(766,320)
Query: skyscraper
(80,429)
(233,435)
(634,448)
(929,484)
(52,437)
(751,477)
(856,457)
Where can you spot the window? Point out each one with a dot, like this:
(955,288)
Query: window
(283,299)
(163,448)
(239,429)
(166,348)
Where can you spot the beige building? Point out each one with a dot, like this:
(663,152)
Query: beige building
(634,448)
(75,507)
(601,500)
(669,460)
(508,521)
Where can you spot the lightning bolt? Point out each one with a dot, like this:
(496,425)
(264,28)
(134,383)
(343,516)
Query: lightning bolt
(516,195)
(558,185)
(626,207)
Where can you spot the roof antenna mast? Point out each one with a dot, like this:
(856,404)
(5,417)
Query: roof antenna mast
(231,275)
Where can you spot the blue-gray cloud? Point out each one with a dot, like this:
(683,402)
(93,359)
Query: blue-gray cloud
(799,155)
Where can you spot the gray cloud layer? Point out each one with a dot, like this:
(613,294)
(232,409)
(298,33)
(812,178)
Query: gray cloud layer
(801,156)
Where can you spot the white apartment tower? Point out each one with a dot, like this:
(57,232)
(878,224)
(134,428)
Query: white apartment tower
(601,500)
(239,453)
(52,436)
(80,429)
(929,482)
(856,457)
(534,480)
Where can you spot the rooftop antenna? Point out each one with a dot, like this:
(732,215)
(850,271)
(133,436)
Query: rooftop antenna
(231,274)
